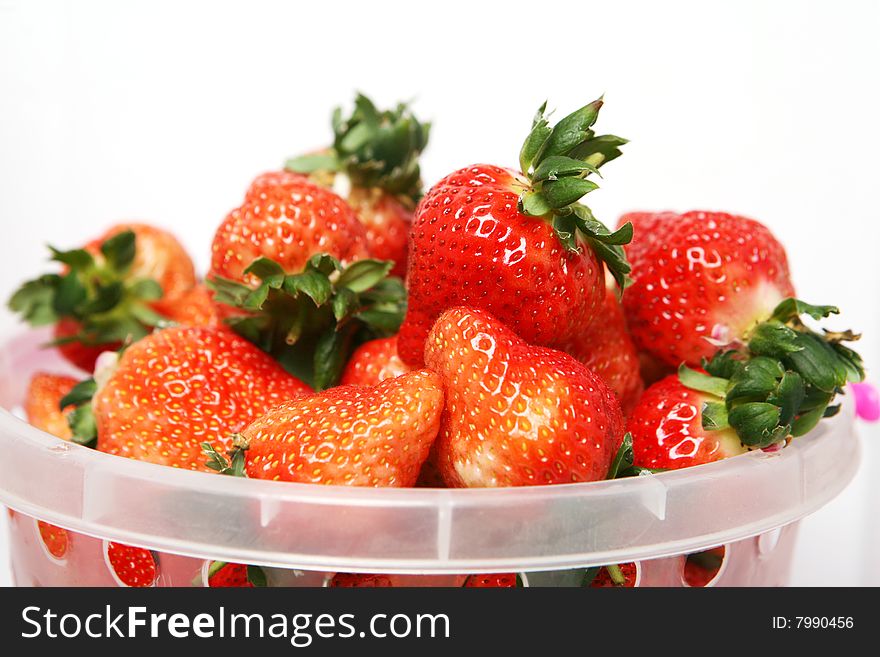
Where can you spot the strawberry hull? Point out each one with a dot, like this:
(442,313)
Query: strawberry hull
(443,533)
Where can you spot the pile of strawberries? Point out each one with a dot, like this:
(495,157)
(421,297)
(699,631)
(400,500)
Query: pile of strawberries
(353,330)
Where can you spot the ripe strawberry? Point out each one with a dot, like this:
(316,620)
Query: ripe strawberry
(606,348)
(496,580)
(700,568)
(234,575)
(130,566)
(518,245)
(778,385)
(667,429)
(372,362)
(42,404)
(350,435)
(108,290)
(624,575)
(360,580)
(55,540)
(517,415)
(701,275)
(288,222)
(195,307)
(374,164)
(181,386)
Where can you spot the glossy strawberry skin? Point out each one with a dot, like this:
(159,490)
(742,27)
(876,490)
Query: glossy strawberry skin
(350,435)
(470,246)
(700,275)
(517,415)
(133,566)
(55,539)
(287,222)
(232,575)
(373,362)
(667,429)
(607,349)
(42,403)
(181,386)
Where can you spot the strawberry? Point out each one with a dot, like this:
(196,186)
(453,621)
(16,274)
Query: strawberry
(350,435)
(606,348)
(359,580)
(287,222)
(778,385)
(496,580)
(700,275)
(375,157)
(234,575)
(108,290)
(517,415)
(131,566)
(195,307)
(181,386)
(372,362)
(42,404)
(55,540)
(517,244)
(667,429)
(700,568)
(623,575)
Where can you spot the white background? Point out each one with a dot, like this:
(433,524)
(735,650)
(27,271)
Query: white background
(164,111)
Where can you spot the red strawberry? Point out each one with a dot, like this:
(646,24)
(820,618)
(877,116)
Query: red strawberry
(372,362)
(517,245)
(181,386)
(623,575)
(159,256)
(667,428)
(360,580)
(496,580)
(130,566)
(349,435)
(374,164)
(195,307)
(701,275)
(287,222)
(68,334)
(517,415)
(42,404)
(55,540)
(700,568)
(108,292)
(234,575)
(606,348)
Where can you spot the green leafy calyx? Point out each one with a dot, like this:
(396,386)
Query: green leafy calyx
(82,419)
(782,382)
(377,149)
(558,161)
(311,321)
(99,293)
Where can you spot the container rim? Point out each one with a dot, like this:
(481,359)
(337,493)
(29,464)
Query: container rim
(93,493)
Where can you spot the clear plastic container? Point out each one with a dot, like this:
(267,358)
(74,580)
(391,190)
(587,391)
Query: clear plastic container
(302,532)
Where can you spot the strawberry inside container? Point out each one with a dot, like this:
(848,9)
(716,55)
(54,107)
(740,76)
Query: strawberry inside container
(80,517)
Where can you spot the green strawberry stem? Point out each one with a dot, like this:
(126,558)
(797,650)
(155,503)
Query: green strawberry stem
(312,321)
(557,162)
(376,149)
(783,379)
(82,419)
(616,574)
(98,293)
